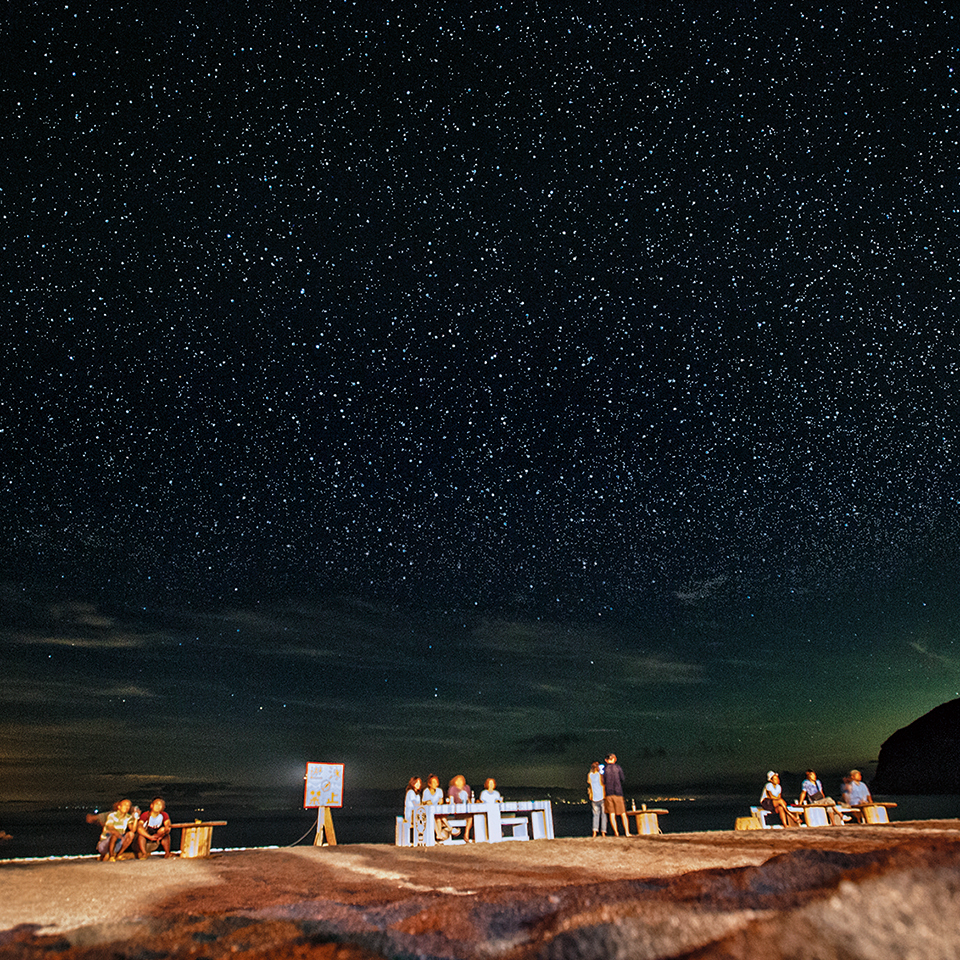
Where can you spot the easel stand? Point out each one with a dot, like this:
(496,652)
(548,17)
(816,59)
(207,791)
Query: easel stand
(325,825)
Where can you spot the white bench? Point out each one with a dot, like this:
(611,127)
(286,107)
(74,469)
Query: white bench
(873,813)
(404,833)
(518,827)
(759,814)
(814,816)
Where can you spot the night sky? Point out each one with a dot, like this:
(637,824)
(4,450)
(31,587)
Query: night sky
(471,387)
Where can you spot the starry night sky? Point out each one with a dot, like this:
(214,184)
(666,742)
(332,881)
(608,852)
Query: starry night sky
(474,387)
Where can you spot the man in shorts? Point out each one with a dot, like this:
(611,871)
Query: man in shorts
(153,829)
(613,800)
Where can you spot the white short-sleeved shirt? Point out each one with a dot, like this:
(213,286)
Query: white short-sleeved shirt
(432,796)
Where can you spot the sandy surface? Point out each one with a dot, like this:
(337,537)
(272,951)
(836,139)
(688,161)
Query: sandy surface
(722,894)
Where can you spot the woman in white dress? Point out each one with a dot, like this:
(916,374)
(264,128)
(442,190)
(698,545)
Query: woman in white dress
(412,799)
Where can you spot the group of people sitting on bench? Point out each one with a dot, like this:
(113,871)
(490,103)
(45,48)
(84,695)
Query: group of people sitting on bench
(125,826)
(457,792)
(855,794)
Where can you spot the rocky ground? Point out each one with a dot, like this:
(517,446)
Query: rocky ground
(832,893)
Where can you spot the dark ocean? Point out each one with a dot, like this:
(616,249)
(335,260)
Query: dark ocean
(369,818)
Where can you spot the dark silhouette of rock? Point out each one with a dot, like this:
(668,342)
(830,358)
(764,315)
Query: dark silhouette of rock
(923,756)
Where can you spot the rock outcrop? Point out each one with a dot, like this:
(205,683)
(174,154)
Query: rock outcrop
(922,757)
(834,893)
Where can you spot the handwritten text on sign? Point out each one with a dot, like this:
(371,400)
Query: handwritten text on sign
(324,785)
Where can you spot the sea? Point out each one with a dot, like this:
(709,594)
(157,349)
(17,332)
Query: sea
(38,832)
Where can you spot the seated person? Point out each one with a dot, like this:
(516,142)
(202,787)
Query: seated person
(812,792)
(772,800)
(459,792)
(153,829)
(434,795)
(855,791)
(412,797)
(116,834)
(490,793)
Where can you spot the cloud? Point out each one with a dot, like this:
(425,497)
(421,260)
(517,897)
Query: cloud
(113,642)
(582,645)
(78,625)
(79,614)
(531,639)
(951,663)
(700,590)
(60,692)
(651,669)
(545,744)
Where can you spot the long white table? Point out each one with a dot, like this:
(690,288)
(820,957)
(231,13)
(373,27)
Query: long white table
(492,822)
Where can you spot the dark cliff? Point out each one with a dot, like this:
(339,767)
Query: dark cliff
(923,756)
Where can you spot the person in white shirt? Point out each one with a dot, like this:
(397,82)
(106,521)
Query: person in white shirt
(412,798)
(490,792)
(432,792)
(855,792)
(597,793)
(772,799)
(458,791)
(434,795)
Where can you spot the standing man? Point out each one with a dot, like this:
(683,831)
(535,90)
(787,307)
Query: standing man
(613,799)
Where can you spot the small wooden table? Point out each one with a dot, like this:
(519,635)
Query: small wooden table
(197,837)
(647,823)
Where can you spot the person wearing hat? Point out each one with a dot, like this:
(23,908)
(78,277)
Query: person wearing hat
(772,799)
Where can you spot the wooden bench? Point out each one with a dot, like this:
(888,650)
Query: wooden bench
(197,837)
(815,815)
(760,814)
(872,813)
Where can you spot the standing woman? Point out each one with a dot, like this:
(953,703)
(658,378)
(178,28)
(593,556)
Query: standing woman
(597,793)
(412,799)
